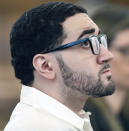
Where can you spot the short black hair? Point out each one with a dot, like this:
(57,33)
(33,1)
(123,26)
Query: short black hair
(38,29)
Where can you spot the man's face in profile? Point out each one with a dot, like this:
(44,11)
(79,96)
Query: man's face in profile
(80,69)
(120,65)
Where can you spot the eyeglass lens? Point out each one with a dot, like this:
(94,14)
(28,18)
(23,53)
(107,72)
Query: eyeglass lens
(103,40)
(96,43)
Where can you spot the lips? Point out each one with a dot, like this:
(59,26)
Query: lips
(105,71)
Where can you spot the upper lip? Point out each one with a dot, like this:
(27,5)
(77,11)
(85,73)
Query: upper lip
(106,70)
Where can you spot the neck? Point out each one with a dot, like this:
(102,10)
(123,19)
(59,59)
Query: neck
(71,98)
(115,101)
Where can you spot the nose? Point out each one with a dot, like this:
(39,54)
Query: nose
(104,56)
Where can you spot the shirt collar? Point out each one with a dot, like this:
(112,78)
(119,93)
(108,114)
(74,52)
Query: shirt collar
(40,100)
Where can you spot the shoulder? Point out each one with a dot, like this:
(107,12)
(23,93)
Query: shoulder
(30,118)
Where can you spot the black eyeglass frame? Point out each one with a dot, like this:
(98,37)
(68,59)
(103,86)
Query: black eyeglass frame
(62,47)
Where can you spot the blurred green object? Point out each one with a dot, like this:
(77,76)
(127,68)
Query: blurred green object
(102,119)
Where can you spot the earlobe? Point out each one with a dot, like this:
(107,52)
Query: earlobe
(43,66)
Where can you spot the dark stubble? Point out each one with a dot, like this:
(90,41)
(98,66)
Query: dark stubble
(84,82)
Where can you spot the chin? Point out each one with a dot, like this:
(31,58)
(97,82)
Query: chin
(107,88)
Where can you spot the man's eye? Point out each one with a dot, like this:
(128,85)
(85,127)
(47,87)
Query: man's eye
(85,44)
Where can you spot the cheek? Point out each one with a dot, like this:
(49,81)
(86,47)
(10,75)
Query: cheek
(81,62)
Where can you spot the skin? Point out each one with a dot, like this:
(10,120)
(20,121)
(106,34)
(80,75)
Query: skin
(120,64)
(120,70)
(50,72)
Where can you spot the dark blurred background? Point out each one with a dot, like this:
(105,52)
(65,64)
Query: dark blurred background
(10,10)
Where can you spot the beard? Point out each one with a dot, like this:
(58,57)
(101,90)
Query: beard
(85,83)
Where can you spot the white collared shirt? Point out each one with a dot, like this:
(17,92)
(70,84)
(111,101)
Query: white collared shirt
(37,111)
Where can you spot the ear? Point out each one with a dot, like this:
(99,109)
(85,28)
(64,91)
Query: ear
(43,66)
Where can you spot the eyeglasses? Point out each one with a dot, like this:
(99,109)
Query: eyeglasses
(92,41)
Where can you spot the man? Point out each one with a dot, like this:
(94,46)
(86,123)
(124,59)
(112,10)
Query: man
(61,60)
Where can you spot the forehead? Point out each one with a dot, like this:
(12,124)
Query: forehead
(74,25)
(122,38)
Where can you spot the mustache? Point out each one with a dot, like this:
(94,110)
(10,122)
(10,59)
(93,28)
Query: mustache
(105,66)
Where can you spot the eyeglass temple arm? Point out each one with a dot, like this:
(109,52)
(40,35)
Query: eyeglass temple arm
(67,45)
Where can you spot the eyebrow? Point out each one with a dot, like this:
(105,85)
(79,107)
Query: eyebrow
(85,32)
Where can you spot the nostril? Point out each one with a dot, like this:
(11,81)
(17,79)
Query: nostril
(101,60)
